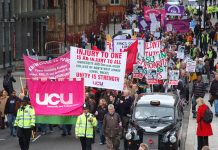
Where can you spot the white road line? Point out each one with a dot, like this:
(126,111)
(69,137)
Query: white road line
(2,139)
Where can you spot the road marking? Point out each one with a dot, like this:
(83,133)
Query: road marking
(2,139)
(36,138)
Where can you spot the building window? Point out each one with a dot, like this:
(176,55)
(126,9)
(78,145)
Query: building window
(115,2)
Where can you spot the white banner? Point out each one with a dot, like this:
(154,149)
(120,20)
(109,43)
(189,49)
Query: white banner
(121,45)
(99,69)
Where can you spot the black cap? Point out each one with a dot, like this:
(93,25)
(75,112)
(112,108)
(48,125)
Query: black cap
(85,106)
(25,99)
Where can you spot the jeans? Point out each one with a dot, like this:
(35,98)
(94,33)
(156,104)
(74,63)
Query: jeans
(194,104)
(101,133)
(67,129)
(216,106)
(11,118)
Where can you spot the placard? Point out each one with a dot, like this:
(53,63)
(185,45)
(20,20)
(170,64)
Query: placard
(173,77)
(181,52)
(99,69)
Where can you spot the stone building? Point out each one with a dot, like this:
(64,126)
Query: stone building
(50,24)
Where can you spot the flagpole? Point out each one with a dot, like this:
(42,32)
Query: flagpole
(21,83)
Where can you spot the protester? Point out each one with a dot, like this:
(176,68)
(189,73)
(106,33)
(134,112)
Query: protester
(100,113)
(205,148)
(3,100)
(66,129)
(143,147)
(198,90)
(25,122)
(8,82)
(124,107)
(112,127)
(85,127)
(203,128)
(84,40)
(204,42)
(11,108)
(214,94)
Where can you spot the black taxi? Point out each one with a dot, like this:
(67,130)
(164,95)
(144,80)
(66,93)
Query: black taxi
(156,120)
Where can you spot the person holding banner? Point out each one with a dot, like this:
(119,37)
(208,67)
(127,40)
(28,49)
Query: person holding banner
(85,127)
(25,122)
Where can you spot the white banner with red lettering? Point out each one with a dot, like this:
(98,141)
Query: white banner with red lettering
(99,69)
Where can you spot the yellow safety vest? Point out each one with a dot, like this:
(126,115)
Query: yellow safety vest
(25,117)
(202,38)
(84,128)
(210,54)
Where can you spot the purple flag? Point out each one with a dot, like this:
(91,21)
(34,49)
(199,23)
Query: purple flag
(174,10)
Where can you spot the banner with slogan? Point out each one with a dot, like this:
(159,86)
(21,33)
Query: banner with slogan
(52,69)
(156,12)
(153,59)
(99,69)
(157,62)
(55,68)
(121,45)
(181,26)
(173,77)
(57,98)
(174,10)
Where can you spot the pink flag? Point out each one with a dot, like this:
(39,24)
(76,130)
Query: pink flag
(57,98)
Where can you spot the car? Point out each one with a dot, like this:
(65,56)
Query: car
(156,119)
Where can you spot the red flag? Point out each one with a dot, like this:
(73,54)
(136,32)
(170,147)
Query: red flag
(95,48)
(132,51)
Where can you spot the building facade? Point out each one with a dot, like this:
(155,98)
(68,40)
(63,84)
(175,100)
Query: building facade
(36,24)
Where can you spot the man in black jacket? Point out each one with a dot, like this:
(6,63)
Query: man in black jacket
(214,93)
(124,108)
(8,82)
(198,90)
(11,108)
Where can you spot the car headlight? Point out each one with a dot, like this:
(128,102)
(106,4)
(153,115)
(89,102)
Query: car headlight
(128,136)
(172,139)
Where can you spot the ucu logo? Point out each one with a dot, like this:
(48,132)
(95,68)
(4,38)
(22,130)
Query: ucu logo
(54,99)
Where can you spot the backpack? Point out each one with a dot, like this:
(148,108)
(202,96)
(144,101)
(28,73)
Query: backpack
(208,116)
(6,81)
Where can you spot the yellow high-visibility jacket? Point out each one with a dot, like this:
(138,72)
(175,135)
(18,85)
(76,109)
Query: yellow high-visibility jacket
(25,117)
(84,128)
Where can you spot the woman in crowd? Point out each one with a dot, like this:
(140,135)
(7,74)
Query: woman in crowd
(100,113)
(203,129)
(3,99)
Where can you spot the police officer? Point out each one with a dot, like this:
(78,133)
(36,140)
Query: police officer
(85,127)
(24,122)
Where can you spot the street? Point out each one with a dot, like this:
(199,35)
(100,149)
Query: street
(55,141)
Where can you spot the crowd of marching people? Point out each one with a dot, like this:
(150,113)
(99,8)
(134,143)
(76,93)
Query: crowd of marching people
(108,111)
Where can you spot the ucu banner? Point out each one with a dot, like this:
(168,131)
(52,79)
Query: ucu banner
(59,98)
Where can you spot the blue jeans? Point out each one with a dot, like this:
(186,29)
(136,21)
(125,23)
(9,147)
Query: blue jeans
(216,106)
(194,104)
(101,133)
(67,129)
(11,118)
